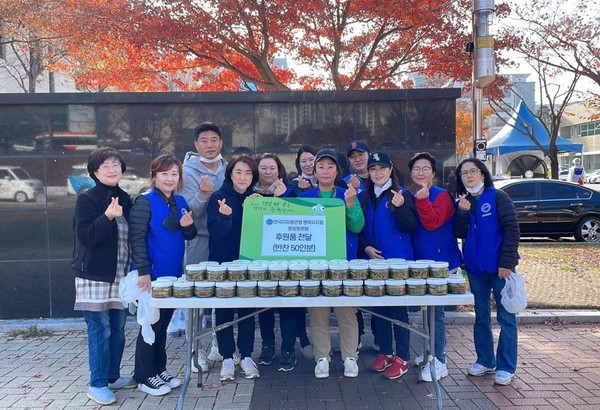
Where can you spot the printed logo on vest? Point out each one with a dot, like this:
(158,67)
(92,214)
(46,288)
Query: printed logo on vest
(485,209)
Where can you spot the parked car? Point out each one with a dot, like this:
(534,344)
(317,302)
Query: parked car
(551,208)
(593,177)
(17,184)
(563,175)
(133,182)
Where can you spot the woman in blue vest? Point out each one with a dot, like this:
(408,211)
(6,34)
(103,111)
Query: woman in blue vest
(434,240)
(486,220)
(390,220)
(224,222)
(328,172)
(160,223)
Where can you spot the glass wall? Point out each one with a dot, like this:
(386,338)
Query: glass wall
(45,140)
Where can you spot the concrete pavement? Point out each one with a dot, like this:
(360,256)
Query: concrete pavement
(559,368)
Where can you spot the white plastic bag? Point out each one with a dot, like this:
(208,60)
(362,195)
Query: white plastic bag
(514,296)
(132,296)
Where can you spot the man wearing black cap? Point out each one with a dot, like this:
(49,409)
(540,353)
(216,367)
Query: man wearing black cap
(358,156)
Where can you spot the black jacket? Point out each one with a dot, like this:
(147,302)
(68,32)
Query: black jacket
(95,248)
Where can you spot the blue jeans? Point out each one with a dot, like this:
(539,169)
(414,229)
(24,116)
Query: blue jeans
(440,333)
(506,355)
(106,341)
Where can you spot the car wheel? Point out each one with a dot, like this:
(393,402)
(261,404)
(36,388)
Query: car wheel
(588,230)
(21,197)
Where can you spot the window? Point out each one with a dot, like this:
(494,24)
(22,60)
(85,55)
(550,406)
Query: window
(521,192)
(589,129)
(558,191)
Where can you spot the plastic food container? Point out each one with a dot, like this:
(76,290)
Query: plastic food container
(288,288)
(379,270)
(418,270)
(395,287)
(398,270)
(310,288)
(195,272)
(246,289)
(374,287)
(438,270)
(298,271)
(183,289)
(216,273)
(338,271)
(278,271)
(267,288)
(257,271)
(317,271)
(237,272)
(204,289)
(162,289)
(166,279)
(352,287)
(225,289)
(457,284)
(416,287)
(331,287)
(358,269)
(437,286)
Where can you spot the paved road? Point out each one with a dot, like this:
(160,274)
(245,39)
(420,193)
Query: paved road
(559,368)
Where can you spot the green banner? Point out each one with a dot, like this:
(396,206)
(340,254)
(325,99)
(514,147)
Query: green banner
(293,228)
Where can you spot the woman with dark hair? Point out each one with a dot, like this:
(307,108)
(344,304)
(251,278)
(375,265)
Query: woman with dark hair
(271,176)
(434,240)
(389,222)
(328,171)
(101,258)
(224,221)
(486,220)
(160,225)
(305,165)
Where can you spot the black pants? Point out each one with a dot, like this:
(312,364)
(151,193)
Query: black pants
(151,360)
(245,341)
(292,323)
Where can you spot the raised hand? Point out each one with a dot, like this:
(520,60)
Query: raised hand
(463,203)
(186,218)
(224,209)
(422,193)
(303,183)
(113,210)
(280,188)
(350,195)
(206,187)
(354,181)
(397,198)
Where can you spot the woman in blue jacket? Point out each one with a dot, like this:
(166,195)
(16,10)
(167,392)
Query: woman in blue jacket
(224,222)
(160,225)
(390,220)
(487,222)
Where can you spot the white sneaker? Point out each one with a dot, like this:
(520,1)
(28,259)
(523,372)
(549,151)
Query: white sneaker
(249,368)
(441,370)
(350,367)
(154,386)
(419,360)
(503,378)
(477,369)
(202,361)
(322,368)
(227,370)
(214,354)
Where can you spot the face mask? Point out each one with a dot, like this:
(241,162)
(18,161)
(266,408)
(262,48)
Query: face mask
(476,188)
(211,161)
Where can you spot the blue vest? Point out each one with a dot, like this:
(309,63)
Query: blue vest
(381,231)
(482,246)
(438,245)
(351,237)
(165,248)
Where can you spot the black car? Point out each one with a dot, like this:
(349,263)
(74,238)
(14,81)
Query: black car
(551,208)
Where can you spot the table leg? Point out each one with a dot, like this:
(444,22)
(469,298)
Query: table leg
(436,384)
(189,343)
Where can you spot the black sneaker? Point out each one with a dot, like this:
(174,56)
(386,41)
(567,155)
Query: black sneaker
(154,386)
(266,355)
(288,362)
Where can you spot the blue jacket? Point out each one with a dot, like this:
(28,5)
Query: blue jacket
(156,250)
(440,244)
(225,232)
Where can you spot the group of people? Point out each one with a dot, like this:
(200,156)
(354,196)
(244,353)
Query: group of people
(193,213)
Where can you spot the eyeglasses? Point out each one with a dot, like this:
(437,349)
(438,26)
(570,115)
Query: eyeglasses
(424,170)
(110,167)
(472,171)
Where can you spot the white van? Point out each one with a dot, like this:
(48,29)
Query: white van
(15,183)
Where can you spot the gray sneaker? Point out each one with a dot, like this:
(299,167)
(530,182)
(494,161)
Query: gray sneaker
(123,382)
(477,369)
(101,395)
(503,378)
(249,368)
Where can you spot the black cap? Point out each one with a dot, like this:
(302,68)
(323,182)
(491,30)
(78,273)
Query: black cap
(379,158)
(327,153)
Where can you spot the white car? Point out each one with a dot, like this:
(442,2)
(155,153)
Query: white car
(133,182)
(563,175)
(593,177)
(17,184)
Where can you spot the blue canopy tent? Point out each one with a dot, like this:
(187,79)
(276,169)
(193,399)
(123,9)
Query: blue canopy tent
(513,137)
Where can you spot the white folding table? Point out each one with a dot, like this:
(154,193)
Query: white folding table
(194,329)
